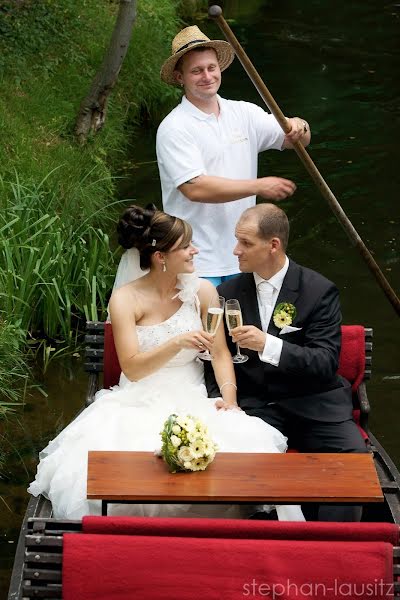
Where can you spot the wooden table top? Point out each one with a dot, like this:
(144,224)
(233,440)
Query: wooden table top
(235,477)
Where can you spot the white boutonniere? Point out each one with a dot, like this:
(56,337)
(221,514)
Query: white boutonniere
(284,314)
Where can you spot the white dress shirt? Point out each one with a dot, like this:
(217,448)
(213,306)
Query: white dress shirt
(267,295)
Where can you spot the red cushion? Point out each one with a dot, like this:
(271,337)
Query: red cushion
(352,354)
(122,567)
(111,368)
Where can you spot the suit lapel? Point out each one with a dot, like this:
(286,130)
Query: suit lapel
(289,293)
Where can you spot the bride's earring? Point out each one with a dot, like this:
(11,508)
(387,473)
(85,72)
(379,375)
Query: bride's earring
(164,267)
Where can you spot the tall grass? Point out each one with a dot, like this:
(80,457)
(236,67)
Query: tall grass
(13,369)
(56,265)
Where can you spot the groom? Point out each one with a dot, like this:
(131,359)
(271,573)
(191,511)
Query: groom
(292,336)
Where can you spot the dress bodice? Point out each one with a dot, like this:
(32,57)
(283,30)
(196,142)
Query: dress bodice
(186,318)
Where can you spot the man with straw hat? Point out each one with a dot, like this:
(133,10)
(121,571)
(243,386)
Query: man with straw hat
(207,151)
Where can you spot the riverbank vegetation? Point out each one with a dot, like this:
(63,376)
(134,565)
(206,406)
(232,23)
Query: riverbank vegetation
(14,374)
(13,368)
(58,201)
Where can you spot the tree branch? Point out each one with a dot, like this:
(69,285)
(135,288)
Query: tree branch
(93,108)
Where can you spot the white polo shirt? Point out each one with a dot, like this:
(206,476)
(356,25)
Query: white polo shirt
(191,143)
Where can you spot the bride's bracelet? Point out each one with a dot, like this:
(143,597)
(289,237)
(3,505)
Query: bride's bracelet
(227,383)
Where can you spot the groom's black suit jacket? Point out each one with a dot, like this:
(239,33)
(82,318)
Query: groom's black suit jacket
(305,381)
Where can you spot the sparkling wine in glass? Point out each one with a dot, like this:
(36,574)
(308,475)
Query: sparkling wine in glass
(233,314)
(214,317)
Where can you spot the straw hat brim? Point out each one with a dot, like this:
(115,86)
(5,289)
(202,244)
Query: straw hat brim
(225,55)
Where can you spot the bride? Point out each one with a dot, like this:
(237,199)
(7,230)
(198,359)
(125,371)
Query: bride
(157,326)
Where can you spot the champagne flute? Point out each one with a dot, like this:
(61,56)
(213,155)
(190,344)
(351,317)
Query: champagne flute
(214,315)
(233,314)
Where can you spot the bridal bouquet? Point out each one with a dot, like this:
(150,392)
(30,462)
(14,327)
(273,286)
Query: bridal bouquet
(186,444)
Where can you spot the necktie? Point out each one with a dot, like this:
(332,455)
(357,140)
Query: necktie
(265,292)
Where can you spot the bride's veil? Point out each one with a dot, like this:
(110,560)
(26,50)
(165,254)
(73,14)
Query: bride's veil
(128,270)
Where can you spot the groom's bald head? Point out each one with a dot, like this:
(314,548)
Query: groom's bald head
(271,222)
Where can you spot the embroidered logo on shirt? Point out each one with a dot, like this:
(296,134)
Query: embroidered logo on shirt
(237,137)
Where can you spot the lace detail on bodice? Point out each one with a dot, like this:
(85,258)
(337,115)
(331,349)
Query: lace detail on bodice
(184,319)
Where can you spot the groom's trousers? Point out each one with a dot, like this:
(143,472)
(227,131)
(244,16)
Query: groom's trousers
(309,435)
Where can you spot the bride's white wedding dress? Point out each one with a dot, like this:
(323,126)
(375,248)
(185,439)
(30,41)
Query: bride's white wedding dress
(130,417)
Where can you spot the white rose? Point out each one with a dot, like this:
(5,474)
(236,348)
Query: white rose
(185,454)
(175,441)
(176,429)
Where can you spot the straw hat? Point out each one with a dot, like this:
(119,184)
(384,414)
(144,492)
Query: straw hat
(188,39)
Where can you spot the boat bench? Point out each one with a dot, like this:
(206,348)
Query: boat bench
(354,363)
(185,559)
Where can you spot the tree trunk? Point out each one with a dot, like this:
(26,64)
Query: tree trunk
(92,111)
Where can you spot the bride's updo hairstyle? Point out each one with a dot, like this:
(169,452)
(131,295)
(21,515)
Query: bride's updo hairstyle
(151,230)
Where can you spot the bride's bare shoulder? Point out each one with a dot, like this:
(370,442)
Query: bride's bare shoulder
(206,290)
(124,291)
(126,299)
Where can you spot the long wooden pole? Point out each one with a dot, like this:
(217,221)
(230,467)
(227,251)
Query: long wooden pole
(215,12)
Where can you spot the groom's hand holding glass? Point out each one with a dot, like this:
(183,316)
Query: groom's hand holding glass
(250,337)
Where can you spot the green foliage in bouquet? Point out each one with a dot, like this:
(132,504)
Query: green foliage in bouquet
(186,444)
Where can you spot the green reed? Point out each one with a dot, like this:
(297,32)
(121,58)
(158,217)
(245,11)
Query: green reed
(56,266)
(13,368)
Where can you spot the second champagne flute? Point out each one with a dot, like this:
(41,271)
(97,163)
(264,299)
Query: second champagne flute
(233,314)
(214,316)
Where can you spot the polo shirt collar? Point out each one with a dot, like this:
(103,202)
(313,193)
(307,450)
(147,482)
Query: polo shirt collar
(196,112)
(277,279)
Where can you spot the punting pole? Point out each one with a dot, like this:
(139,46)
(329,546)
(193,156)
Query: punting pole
(215,12)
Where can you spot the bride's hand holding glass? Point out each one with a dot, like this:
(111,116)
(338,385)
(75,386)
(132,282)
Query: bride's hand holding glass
(195,340)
